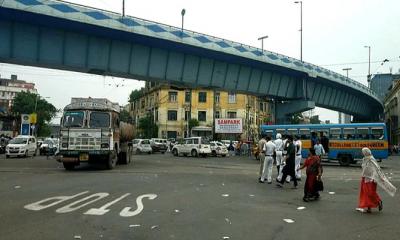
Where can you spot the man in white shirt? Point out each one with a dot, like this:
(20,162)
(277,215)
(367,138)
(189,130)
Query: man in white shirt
(269,149)
(278,151)
(298,147)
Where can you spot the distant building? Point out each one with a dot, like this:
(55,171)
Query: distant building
(344,118)
(8,90)
(380,83)
(171,108)
(392,112)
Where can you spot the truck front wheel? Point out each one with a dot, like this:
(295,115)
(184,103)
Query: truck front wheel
(68,166)
(112,160)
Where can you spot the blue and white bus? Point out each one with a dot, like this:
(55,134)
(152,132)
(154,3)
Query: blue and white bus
(342,142)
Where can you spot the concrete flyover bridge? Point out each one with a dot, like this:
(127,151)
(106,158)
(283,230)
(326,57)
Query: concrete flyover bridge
(60,35)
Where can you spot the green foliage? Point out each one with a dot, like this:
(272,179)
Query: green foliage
(296,118)
(193,123)
(125,117)
(147,128)
(135,94)
(25,103)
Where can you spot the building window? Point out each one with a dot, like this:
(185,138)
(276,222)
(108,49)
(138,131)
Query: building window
(217,114)
(172,115)
(172,96)
(202,116)
(187,115)
(156,114)
(231,97)
(217,96)
(187,97)
(231,114)
(203,97)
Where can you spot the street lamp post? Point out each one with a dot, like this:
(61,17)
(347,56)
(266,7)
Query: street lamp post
(123,8)
(183,14)
(369,66)
(347,72)
(262,42)
(301,29)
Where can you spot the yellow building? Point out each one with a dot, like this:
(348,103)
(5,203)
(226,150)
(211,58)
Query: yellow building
(172,107)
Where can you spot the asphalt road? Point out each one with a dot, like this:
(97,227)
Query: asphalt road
(165,197)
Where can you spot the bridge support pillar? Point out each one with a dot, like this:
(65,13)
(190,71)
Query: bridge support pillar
(285,110)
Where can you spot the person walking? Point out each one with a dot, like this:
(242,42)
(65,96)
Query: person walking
(260,147)
(313,172)
(372,176)
(231,149)
(289,168)
(298,147)
(278,151)
(269,149)
(319,149)
(285,145)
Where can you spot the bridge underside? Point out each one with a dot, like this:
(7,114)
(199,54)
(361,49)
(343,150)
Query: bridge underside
(44,41)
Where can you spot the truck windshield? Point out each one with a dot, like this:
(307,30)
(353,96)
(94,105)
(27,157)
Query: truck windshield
(73,119)
(99,120)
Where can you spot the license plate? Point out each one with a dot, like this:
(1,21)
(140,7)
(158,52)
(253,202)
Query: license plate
(84,157)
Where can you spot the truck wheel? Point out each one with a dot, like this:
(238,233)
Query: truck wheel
(68,166)
(194,153)
(344,160)
(112,160)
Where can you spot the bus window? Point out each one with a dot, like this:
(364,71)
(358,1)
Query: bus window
(376,133)
(292,132)
(304,134)
(362,133)
(281,131)
(348,133)
(335,133)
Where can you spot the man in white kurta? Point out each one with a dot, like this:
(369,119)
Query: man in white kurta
(298,147)
(278,151)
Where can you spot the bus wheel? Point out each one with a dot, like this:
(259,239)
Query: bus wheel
(344,160)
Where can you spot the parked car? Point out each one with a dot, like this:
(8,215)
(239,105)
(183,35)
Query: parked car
(195,146)
(48,147)
(21,146)
(141,146)
(218,149)
(159,145)
(228,142)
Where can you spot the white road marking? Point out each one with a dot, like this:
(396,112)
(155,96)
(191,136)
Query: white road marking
(103,209)
(126,211)
(70,207)
(16,187)
(225,237)
(228,221)
(288,220)
(251,195)
(77,237)
(331,193)
(176,210)
(134,225)
(225,195)
(301,208)
(37,206)
(154,227)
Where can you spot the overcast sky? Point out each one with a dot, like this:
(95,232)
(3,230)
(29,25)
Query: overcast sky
(334,35)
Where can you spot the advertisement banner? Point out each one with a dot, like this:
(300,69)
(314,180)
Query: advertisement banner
(228,125)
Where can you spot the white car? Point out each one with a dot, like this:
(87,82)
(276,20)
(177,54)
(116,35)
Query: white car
(195,146)
(218,149)
(142,146)
(21,146)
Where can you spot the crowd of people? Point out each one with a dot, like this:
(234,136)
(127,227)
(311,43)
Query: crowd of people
(286,152)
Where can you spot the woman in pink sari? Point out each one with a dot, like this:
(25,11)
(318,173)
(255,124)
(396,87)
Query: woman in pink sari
(372,176)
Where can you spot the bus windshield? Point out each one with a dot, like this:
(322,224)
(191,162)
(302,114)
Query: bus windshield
(73,119)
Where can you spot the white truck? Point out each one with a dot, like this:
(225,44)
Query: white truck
(91,132)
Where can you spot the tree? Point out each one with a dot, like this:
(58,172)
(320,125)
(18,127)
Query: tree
(125,117)
(26,102)
(135,94)
(193,122)
(296,118)
(147,127)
